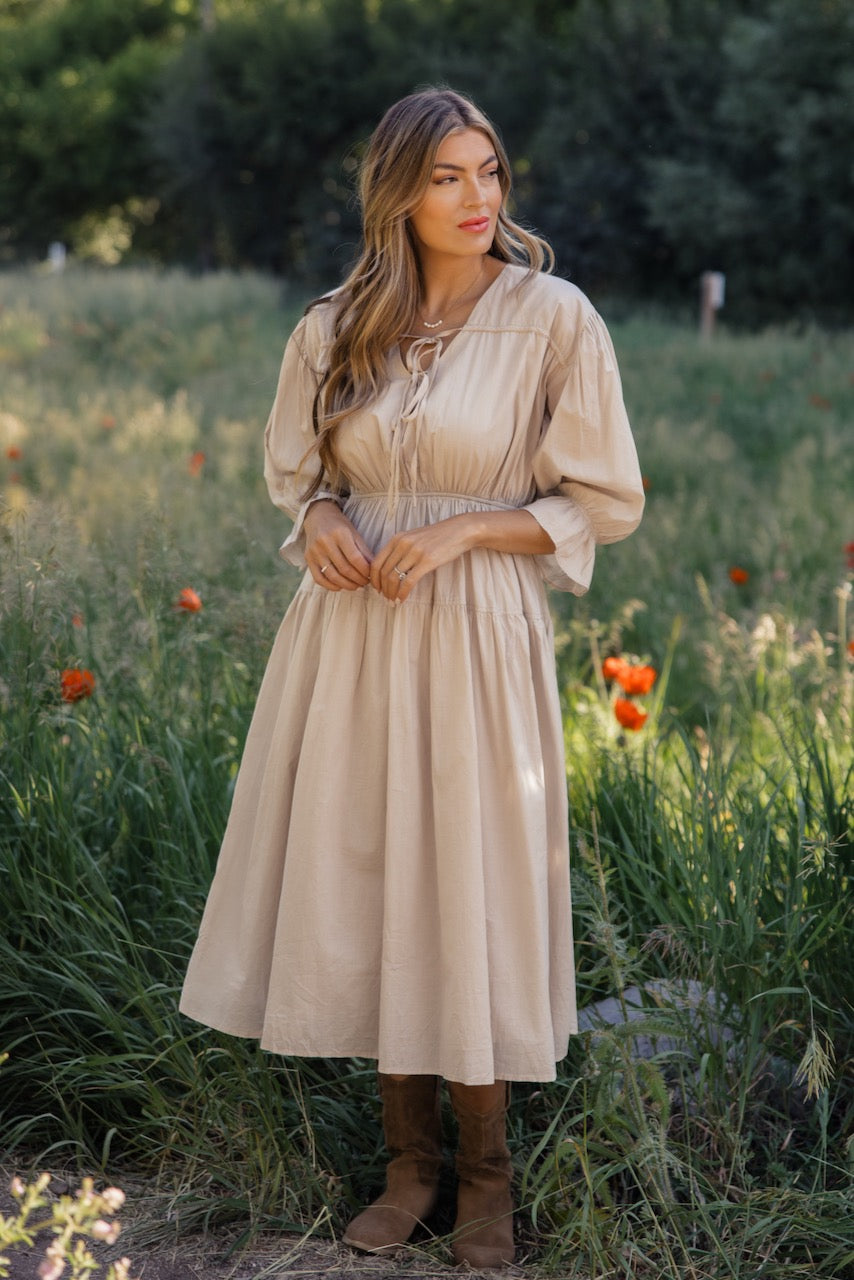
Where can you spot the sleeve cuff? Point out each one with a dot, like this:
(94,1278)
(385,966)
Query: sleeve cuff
(570,566)
(293,547)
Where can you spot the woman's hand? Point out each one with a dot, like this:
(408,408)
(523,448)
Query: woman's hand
(337,555)
(408,556)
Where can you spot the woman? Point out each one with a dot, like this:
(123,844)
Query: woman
(448,433)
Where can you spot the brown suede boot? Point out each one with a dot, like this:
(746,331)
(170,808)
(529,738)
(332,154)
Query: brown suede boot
(413,1136)
(483,1232)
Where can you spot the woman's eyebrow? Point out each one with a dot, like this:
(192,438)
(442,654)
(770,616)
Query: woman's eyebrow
(458,168)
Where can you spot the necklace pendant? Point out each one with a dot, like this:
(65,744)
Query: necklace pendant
(428,325)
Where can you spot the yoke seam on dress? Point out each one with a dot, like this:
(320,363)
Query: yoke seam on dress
(565,361)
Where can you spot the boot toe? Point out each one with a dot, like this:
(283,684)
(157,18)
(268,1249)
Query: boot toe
(380,1227)
(484,1255)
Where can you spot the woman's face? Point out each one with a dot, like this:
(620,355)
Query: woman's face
(459,211)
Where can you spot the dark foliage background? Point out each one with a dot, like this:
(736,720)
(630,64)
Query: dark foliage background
(651,140)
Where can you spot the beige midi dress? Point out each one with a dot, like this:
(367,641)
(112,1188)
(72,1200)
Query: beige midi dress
(394,877)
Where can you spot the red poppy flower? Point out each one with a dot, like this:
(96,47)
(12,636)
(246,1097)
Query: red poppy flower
(738,575)
(637,679)
(76,684)
(849,551)
(197,461)
(189,599)
(820,402)
(108,422)
(613,668)
(77,620)
(647,483)
(14,453)
(629,716)
(851,647)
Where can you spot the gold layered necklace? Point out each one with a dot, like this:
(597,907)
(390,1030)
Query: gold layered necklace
(455,302)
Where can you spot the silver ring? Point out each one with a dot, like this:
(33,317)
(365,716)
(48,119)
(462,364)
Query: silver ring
(324,567)
(400,573)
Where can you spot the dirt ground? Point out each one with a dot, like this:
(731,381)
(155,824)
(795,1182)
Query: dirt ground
(202,1258)
(292,1257)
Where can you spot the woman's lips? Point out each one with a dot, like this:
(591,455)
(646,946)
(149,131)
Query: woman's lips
(474,224)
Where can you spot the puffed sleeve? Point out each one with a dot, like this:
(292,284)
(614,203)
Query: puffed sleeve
(289,435)
(586,472)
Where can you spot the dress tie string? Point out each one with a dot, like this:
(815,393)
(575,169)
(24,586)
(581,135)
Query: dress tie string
(411,415)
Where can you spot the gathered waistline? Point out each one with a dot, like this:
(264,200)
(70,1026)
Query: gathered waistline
(437,493)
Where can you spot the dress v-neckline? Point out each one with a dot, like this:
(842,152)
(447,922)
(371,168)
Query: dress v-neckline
(451,333)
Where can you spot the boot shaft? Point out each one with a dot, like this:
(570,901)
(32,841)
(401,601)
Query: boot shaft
(482,1135)
(412,1120)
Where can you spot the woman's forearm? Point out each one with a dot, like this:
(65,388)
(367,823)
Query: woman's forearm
(516,532)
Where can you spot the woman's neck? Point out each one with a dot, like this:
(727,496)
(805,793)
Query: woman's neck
(449,283)
(452,287)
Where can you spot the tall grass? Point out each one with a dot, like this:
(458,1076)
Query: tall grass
(713,847)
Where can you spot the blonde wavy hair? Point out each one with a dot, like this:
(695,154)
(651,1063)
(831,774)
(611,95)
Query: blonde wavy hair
(378,301)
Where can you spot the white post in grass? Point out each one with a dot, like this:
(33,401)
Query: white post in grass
(56,255)
(712,290)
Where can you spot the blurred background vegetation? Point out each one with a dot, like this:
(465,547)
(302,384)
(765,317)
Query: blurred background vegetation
(651,141)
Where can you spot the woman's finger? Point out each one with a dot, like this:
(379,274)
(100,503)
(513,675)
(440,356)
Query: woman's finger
(396,570)
(324,575)
(339,559)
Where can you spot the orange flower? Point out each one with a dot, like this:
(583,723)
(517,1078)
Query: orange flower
(637,679)
(738,575)
(632,679)
(77,620)
(613,668)
(197,461)
(647,483)
(629,716)
(108,422)
(849,551)
(189,599)
(851,647)
(76,684)
(14,453)
(820,402)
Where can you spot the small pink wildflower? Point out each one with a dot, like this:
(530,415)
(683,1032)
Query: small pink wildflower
(53,1265)
(106,1231)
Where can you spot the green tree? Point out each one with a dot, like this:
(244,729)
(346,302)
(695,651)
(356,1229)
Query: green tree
(768,194)
(631,83)
(75,80)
